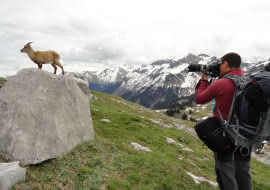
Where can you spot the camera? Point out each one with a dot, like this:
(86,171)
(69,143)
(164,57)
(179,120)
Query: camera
(212,69)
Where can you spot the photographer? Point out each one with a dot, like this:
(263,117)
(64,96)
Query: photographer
(232,169)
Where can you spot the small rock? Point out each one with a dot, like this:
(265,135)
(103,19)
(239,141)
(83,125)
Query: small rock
(105,120)
(10,173)
(170,140)
(92,97)
(180,158)
(168,126)
(182,146)
(187,149)
(202,159)
(182,127)
(192,163)
(154,121)
(187,129)
(198,179)
(118,101)
(203,118)
(140,147)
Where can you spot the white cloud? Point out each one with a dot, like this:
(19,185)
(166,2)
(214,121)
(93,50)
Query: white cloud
(93,34)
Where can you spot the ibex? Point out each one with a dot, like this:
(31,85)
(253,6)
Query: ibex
(43,57)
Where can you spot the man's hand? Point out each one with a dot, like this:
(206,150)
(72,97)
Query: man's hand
(204,76)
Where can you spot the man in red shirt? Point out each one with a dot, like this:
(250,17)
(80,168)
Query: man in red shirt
(232,169)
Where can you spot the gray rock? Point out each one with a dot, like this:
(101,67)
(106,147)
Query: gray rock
(10,174)
(42,116)
(180,157)
(106,120)
(264,158)
(187,149)
(92,98)
(140,147)
(198,179)
(187,129)
(172,141)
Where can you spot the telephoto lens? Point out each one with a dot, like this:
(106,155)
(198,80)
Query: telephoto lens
(194,68)
(212,69)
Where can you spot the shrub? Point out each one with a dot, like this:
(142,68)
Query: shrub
(184,116)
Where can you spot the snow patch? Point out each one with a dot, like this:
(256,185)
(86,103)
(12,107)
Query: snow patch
(190,81)
(178,69)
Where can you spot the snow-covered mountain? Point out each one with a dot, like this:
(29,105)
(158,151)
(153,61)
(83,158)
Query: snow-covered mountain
(161,84)
(255,67)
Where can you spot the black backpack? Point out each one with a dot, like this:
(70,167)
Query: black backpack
(248,121)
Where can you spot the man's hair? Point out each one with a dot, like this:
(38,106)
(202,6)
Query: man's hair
(233,59)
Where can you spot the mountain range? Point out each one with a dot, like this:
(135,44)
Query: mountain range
(162,84)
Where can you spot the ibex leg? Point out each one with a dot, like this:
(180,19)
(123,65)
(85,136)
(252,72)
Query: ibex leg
(55,68)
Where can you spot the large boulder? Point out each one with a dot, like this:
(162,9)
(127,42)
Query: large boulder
(43,115)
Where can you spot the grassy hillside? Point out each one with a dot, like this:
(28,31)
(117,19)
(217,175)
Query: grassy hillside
(2,81)
(110,162)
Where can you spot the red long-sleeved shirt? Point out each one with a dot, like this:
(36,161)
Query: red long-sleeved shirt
(222,90)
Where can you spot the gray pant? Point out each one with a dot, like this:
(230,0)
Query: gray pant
(233,174)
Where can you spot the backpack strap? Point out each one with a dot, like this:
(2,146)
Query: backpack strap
(234,78)
(236,81)
(231,109)
(224,122)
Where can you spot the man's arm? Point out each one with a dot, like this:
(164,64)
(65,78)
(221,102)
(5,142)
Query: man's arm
(205,91)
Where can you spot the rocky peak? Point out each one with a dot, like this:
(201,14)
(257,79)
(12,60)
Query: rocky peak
(191,59)
(203,55)
(163,61)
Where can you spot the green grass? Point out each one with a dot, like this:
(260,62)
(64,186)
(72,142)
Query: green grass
(2,81)
(110,162)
